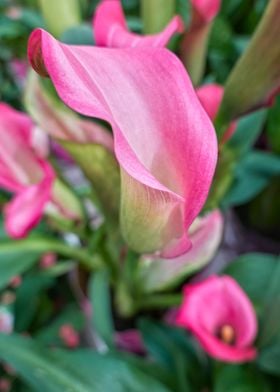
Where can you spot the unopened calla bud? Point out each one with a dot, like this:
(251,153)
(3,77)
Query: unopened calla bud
(255,80)
(195,40)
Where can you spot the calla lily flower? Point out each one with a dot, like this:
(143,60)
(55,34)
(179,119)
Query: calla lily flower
(219,313)
(195,40)
(211,96)
(163,140)
(205,234)
(110,28)
(25,172)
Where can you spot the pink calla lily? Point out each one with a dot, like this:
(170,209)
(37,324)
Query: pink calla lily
(219,313)
(23,172)
(163,140)
(211,96)
(110,28)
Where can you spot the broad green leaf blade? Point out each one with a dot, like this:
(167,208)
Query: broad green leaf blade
(254,272)
(233,378)
(29,295)
(247,132)
(176,352)
(101,306)
(83,371)
(269,359)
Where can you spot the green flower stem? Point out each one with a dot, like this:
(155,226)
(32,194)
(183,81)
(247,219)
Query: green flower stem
(156,14)
(43,245)
(60,15)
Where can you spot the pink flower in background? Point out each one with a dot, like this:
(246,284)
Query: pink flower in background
(69,336)
(205,10)
(210,96)
(220,315)
(19,68)
(130,340)
(48,260)
(5,385)
(23,172)
(163,140)
(16,281)
(6,321)
(110,28)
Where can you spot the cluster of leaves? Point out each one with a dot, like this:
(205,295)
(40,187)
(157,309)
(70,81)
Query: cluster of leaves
(44,302)
(176,362)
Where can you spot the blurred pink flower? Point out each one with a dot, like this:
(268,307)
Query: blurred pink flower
(19,68)
(210,96)
(164,142)
(130,340)
(16,281)
(5,385)
(220,315)
(69,336)
(48,260)
(205,10)
(23,172)
(6,321)
(110,28)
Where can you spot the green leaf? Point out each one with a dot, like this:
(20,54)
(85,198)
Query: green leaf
(273,126)
(78,35)
(70,315)
(28,299)
(101,306)
(14,261)
(83,371)
(252,174)
(254,272)
(174,350)
(247,132)
(233,378)
(269,359)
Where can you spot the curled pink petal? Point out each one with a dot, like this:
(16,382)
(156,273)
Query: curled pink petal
(214,304)
(164,142)
(23,172)
(205,235)
(110,28)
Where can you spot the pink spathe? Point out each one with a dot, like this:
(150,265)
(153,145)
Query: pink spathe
(23,172)
(163,140)
(206,9)
(210,96)
(110,28)
(215,306)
